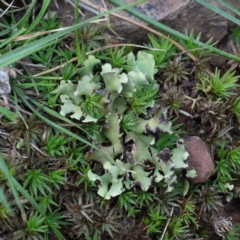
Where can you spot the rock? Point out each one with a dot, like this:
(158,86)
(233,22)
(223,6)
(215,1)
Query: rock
(199,159)
(181,15)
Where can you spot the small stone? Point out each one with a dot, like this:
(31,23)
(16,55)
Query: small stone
(199,159)
(4,81)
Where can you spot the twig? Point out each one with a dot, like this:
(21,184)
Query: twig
(165,229)
(39,150)
(123,45)
(144,27)
(32,65)
(7,9)
(101,48)
(179,46)
(133,22)
(186,113)
(20,115)
(8,4)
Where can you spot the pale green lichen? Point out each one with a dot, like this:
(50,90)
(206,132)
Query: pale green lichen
(113,79)
(85,87)
(88,66)
(69,107)
(137,162)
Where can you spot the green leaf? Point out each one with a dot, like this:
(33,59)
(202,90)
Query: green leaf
(39,16)
(14,185)
(23,51)
(8,114)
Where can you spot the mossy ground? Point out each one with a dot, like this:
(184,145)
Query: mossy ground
(139,124)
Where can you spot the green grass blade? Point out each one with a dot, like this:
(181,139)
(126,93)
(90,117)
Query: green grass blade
(4,201)
(23,51)
(23,22)
(173,32)
(56,232)
(44,7)
(219,11)
(77,38)
(8,27)
(30,85)
(232,8)
(5,31)
(8,114)
(8,40)
(61,129)
(9,177)
(14,184)
(31,78)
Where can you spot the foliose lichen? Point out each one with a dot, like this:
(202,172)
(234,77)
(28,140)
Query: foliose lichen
(137,160)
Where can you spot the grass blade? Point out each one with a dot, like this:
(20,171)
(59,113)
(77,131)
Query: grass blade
(8,114)
(61,129)
(173,32)
(23,22)
(9,177)
(232,8)
(23,51)
(14,184)
(219,11)
(8,40)
(77,38)
(4,201)
(39,17)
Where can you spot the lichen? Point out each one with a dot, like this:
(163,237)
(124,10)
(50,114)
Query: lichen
(137,160)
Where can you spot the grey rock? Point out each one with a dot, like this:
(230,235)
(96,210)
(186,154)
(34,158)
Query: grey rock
(181,15)
(199,159)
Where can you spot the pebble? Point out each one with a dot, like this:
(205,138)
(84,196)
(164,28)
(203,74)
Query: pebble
(199,159)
